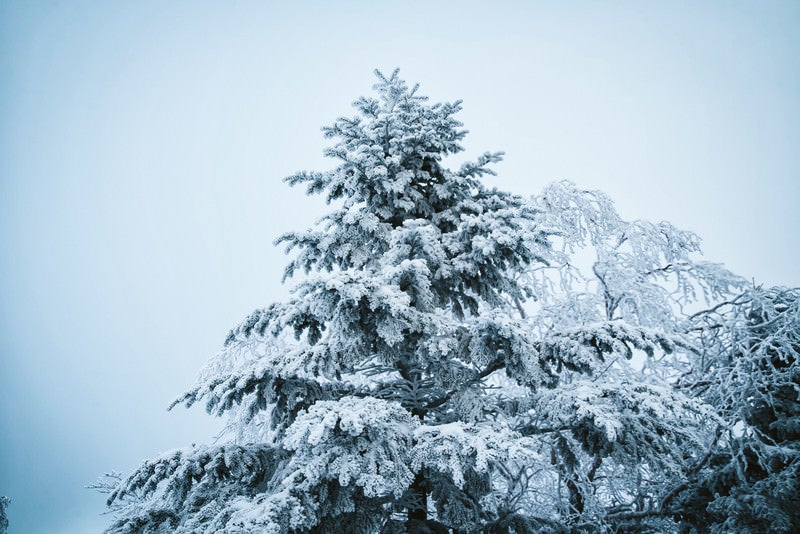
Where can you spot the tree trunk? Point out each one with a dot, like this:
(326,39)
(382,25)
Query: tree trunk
(420,492)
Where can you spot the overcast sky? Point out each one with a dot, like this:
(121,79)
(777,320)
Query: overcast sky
(142,147)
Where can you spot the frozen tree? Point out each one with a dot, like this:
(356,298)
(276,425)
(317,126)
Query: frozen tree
(622,436)
(455,358)
(4,502)
(749,371)
(703,435)
(361,404)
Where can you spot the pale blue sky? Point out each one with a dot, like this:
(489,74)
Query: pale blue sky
(142,146)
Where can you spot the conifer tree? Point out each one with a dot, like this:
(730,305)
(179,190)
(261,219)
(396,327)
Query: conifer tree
(4,502)
(373,413)
(749,371)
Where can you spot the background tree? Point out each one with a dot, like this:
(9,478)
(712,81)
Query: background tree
(621,437)
(748,371)
(4,502)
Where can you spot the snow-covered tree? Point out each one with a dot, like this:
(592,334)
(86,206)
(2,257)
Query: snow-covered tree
(373,414)
(749,371)
(4,502)
(703,434)
(455,358)
(621,437)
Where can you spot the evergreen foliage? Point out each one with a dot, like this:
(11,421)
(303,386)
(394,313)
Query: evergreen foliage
(4,502)
(750,371)
(455,358)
